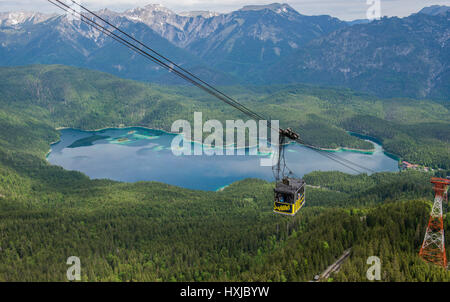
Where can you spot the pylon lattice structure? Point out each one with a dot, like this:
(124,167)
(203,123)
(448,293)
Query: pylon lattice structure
(433,247)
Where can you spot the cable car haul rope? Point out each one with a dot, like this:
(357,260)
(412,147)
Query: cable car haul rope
(289,190)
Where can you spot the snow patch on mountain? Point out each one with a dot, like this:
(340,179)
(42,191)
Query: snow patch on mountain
(203,14)
(19,18)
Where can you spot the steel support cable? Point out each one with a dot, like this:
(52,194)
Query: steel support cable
(339,160)
(334,157)
(325,153)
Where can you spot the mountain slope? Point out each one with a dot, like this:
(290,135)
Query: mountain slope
(248,38)
(11,19)
(435,10)
(253,37)
(389,57)
(59,40)
(226,43)
(257,44)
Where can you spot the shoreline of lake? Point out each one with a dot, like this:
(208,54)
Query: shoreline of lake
(153,160)
(337,150)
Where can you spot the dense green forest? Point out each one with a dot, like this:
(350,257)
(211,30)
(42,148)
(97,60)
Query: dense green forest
(150,231)
(416,130)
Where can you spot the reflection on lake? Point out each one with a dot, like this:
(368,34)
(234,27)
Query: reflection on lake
(139,154)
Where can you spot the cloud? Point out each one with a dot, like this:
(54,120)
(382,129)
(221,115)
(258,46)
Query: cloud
(343,9)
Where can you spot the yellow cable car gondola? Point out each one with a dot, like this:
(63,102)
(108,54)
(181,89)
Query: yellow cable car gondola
(289,196)
(289,192)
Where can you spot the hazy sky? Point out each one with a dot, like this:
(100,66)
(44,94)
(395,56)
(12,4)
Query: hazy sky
(343,9)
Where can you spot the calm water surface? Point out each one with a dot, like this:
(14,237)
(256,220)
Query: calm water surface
(138,154)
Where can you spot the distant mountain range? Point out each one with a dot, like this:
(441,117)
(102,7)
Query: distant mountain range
(259,44)
(391,57)
(435,10)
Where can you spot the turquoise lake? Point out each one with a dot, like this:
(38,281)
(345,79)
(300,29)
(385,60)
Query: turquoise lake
(139,154)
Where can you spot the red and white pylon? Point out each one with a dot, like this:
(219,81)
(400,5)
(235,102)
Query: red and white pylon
(433,247)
